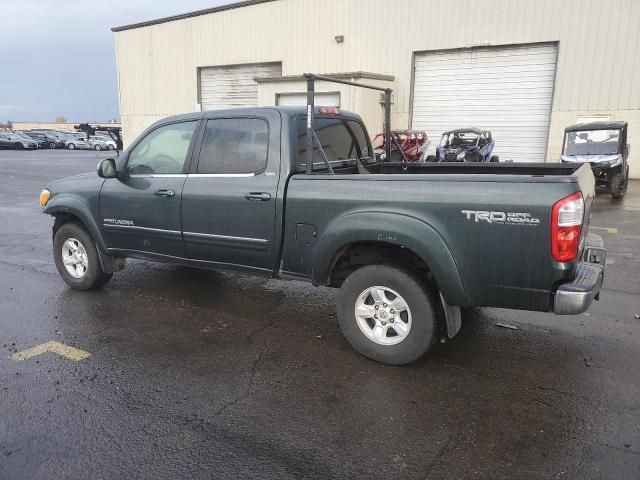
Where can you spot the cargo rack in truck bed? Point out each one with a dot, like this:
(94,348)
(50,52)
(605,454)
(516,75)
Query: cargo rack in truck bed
(311,134)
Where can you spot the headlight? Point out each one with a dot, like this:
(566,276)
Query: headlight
(460,156)
(44,197)
(615,162)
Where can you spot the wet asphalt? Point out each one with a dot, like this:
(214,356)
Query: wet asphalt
(198,374)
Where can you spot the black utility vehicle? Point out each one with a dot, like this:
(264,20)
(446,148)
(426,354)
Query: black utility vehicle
(604,146)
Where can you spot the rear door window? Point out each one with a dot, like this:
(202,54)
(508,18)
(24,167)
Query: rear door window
(343,142)
(234,146)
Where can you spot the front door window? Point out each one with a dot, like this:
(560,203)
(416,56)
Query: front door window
(163,151)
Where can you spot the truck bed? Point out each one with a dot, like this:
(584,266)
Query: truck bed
(501,264)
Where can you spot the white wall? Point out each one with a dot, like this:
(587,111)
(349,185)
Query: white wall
(598,60)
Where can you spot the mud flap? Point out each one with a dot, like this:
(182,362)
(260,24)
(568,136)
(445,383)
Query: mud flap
(109,263)
(453,317)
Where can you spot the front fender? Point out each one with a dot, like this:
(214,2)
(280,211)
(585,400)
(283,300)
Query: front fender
(394,228)
(67,203)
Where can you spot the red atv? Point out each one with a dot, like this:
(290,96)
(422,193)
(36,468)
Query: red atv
(412,143)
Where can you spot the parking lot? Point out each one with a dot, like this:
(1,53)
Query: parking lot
(198,374)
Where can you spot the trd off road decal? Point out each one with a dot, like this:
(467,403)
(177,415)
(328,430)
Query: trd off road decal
(511,218)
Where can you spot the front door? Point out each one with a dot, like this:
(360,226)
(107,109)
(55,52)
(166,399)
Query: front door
(141,210)
(229,199)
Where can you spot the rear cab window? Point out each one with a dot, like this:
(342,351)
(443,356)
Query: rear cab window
(344,140)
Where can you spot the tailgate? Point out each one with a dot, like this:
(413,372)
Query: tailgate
(587,185)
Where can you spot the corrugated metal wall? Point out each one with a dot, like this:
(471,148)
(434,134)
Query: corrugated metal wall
(598,66)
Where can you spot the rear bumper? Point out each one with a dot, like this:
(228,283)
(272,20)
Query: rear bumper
(576,296)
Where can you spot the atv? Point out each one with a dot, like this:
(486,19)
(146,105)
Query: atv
(604,146)
(406,146)
(465,145)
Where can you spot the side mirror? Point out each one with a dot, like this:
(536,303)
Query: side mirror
(107,168)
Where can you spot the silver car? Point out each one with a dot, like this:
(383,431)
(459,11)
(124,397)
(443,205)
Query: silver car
(98,142)
(17,142)
(73,142)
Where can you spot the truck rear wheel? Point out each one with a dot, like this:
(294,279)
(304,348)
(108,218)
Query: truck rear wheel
(618,185)
(76,258)
(387,314)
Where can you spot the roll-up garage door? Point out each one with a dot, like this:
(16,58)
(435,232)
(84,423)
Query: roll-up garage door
(507,90)
(230,87)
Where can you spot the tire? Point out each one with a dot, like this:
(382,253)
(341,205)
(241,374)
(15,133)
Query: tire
(473,157)
(111,147)
(52,146)
(98,148)
(618,185)
(494,159)
(421,310)
(71,146)
(431,158)
(93,276)
(18,146)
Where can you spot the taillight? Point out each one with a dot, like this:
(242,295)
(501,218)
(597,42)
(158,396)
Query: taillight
(566,226)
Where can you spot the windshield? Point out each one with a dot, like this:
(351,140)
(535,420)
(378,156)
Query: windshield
(459,139)
(592,142)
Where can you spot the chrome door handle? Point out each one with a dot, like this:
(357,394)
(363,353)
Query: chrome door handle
(257,196)
(165,193)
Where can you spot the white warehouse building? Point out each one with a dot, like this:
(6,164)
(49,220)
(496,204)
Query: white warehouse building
(524,69)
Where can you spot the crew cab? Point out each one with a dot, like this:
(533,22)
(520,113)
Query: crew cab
(408,245)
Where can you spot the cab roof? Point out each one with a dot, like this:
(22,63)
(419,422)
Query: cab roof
(285,111)
(582,127)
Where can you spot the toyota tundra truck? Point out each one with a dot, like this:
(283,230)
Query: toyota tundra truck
(408,245)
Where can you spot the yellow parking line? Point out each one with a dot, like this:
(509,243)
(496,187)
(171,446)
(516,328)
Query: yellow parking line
(609,230)
(61,349)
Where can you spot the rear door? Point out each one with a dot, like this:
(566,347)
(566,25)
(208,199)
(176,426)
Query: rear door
(229,198)
(141,212)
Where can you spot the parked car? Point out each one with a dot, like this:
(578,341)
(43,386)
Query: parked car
(22,135)
(407,244)
(101,143)
(73,142)
(465,145)
(16,142)
(42,139)
(59,137)
(603,145)
(412,143)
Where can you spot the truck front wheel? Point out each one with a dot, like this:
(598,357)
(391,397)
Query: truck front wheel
(387,314)
(77,259)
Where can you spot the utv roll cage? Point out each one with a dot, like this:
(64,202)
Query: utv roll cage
(311,133)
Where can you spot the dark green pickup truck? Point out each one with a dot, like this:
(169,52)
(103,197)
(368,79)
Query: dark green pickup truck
(408,245)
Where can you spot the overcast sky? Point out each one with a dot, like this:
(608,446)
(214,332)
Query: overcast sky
(58,55)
